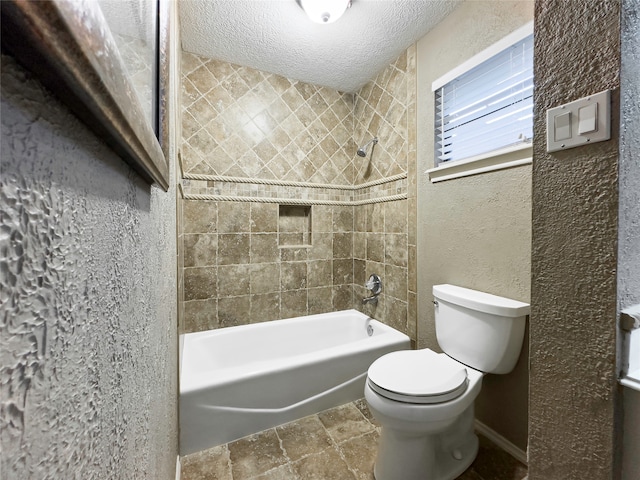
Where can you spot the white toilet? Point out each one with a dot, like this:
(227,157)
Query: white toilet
(424,400)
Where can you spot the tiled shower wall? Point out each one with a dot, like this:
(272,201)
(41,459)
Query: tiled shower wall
(385,233)
(239,122)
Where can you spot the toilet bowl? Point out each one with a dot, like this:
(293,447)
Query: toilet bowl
(424,400)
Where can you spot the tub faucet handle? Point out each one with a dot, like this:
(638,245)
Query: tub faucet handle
(374,284)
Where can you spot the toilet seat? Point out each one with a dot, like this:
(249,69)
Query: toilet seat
(417,376)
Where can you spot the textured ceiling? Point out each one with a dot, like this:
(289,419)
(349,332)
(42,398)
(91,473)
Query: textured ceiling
(276,36)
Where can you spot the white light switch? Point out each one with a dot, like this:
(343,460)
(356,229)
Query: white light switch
(587,120)
(562,125)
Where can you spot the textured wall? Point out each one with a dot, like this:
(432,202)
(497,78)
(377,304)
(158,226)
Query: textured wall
(246,123)
(474,231)
(629,211)
(88,341)
(573,389)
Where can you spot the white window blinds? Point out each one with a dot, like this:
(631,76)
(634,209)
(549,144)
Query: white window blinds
(487,108)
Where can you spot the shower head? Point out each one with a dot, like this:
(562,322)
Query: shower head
(362,151)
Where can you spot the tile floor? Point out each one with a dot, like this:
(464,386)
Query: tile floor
(337,444)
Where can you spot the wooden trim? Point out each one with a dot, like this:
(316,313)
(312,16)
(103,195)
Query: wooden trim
(69,47)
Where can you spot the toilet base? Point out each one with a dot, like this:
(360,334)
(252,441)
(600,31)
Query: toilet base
(411,456)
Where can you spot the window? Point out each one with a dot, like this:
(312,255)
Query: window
(485,107)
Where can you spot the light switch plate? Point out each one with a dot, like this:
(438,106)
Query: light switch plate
(598,104)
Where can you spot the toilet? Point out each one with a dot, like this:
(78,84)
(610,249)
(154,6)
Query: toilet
(424,400)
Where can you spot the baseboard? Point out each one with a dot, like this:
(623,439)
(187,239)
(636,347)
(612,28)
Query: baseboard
(502,442)
(178,467)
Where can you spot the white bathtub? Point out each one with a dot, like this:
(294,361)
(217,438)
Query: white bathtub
(240,380)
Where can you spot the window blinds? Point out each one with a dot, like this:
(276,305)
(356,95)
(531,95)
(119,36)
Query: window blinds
(487,108)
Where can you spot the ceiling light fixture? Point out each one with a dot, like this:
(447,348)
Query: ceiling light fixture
(324,11)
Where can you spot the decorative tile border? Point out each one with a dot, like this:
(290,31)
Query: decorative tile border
(239,189)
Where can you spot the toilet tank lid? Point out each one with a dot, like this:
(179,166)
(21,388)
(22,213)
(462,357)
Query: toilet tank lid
(481,301)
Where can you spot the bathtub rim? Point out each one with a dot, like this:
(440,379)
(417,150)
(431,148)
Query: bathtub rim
(192,383)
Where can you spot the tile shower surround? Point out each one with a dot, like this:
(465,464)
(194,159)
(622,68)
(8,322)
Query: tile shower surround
(244,123)
(236,272)
(336,444)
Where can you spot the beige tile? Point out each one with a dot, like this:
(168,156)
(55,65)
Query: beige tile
(322,246)
(320,273)
(200,249)
(293,303)
(395,217)
(233,217)
(343,271)
(233,280)
(345,422)
(322,217)
(199,216)
(202,79)
(256,454)
(360,245)
(342,219)
(265,307)
(395,249)
(264,248)
(342,297)
(200,315)
(326,465)
(412,316)
(293,275)
(233,248)
(412,261)
(294,254)
(303,437)
(362,405)
(375,247)
(290,239)
(320,300)
(284,472)
(342,245)
(395,314)
(360,274)
(264,218)
(211,464)
(265,278)
(360,454)
(395,279)
(234,311)
(199,283)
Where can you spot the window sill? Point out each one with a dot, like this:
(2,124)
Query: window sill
(501,159)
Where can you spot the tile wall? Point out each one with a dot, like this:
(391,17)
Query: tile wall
(385,233)
(244,123)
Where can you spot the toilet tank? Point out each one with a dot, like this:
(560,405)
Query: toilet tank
(478,329)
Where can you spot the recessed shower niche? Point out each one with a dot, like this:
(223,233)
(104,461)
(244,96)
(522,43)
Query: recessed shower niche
(294,225)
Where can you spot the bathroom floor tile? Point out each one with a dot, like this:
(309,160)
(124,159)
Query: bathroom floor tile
(284,472)
(360,454)
(338,444)
(326,465)
(211,464)
(256,454)
(303,437)
(345,422)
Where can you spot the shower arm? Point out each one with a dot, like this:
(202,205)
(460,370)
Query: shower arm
(362,151)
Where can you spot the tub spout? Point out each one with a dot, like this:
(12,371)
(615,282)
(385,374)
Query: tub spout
(372,299)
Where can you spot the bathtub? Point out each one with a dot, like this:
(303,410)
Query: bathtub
(240,380)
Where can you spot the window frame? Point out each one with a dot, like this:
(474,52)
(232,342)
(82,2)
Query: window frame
(510,156)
